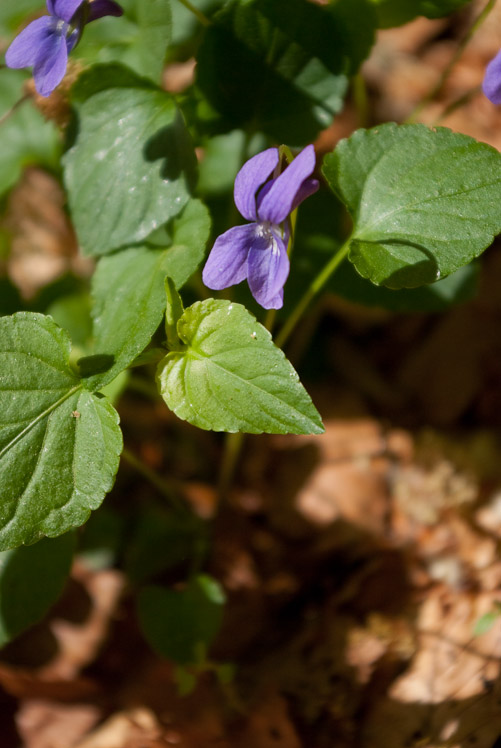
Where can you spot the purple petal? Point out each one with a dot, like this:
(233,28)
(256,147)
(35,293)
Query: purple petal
(268,268)
(227,262)
(64,9)
(280,199)
(250,177)
(309,187)
(491,85)
(51,63)
(100,8)
(24,50)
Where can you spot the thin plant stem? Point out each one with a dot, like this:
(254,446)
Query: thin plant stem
(432,93)
(269,320)
(143,387)
(361,99)
(163,487)
(232,448)
(14,108)
(315,286)
(196,12)
(457,104)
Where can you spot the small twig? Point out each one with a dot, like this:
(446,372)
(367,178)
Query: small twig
(196,12)
(14,108)
(457,104)
(452,62)
(232,449)
(163,487)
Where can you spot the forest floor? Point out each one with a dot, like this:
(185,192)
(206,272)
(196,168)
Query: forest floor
(359,565)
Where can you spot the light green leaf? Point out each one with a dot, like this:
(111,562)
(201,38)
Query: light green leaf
(59,442)
(31,580)
(12,15)
(231,377)
(147,53)
(130,168)
(139,39)
(424,202)
(180,625)
(129,294)
(173,314)
(26,137)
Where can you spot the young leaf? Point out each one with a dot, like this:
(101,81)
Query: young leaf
(282,66)
(130,168)
(128,289)
(31,580)
(231,377)
(179,625)
(59,443)
(173,313)
(423,202)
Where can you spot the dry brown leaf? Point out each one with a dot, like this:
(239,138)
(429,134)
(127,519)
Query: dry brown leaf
(48,724)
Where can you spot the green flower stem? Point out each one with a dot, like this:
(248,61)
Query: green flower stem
(457,104)
(14,108)
(454,59)
(232,448)
(167,490)
(361,99)
(315,286)
(198,13)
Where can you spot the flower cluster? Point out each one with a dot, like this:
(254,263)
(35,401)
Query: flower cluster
(258,251)
(46,42)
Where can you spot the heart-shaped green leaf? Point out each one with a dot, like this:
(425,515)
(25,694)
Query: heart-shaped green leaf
(181,624)
(31,580)
(282,66)
(139,39)
(231,377)
(424,201)
(128,289)
(130,168)
(59,443)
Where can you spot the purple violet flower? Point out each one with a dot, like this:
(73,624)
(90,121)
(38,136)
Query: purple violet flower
(46,42)
(258,250)
(492,80)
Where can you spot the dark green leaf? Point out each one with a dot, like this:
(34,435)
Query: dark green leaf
(129,294)
(180,625)
(456,288)
(31,580)
(397,12)
(163,541)
(59,443)
(282,66)
(129,169)
(231,377)
(423,202)
(10,300)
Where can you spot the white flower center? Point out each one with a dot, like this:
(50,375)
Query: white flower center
(264,230)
